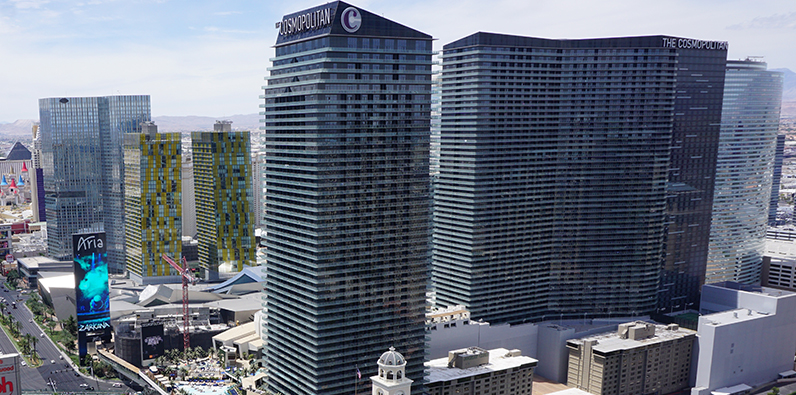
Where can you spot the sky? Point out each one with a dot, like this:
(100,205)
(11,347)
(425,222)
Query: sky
(209,58)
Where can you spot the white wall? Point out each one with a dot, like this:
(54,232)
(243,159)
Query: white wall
(750,349)
(522,337)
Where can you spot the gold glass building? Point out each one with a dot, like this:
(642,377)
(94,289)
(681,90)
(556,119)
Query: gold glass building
(153,220)
(223,188)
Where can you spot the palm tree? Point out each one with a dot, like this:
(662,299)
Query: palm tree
(32,340)
(69,344)
(24,345)
(174,355)
(16,328)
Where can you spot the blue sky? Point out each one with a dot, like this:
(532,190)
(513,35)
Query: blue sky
(209,57)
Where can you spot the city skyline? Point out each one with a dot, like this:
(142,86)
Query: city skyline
(171,49)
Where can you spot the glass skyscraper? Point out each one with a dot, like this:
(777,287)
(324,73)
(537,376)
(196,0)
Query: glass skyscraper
(222,172)
(744,167)
(776,178)
(83,168)
(347,109)
(552,192)
(153,204)
(692,172)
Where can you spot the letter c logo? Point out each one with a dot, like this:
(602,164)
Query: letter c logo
(351,19)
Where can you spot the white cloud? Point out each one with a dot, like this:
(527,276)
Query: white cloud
(776,21)
(217,66)
(25,4)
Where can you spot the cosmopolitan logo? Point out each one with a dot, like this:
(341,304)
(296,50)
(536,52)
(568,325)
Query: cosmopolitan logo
(351,19)
(690,43)
(153,341)
(89,243)
(305,22)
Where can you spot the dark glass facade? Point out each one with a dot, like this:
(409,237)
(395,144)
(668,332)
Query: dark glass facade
(347,143)
(692,173)
(552,192)
(779,155)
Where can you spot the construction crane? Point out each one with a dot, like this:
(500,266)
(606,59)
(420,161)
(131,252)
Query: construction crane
(185,274)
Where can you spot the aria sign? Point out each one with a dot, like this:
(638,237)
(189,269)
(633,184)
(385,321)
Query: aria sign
(350,19)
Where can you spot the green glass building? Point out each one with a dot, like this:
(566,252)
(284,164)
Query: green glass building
(223,188)
(153,219)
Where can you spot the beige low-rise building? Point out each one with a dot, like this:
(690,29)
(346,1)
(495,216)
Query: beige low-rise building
(639,358)
(476,371)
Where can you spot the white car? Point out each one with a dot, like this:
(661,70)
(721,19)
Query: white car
(52,361)
(24,363)
(83,385)
(117,385)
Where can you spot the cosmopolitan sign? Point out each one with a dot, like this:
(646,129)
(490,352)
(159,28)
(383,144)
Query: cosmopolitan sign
(690,43)
(305,22)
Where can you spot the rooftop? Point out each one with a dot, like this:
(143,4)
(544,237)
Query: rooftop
(610,341)
(782,249)
(731,316)
(752,289)
(438,369)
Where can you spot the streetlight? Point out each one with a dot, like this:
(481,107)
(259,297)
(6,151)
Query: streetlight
(92,373)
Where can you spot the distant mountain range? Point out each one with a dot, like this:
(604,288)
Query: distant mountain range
(193,123)
(21,128)
(789,85)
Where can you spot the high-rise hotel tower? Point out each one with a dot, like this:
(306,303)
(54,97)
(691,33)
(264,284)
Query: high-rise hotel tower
(744,167)
(81,154)
(558,159)
(222,172)
(347,109)
(153,204)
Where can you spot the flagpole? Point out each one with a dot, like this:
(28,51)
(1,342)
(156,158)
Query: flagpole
(357,377)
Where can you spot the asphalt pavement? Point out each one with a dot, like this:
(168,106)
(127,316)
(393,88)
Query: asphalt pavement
(56,365)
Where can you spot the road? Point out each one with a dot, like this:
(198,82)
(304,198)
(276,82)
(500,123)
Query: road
(56,366)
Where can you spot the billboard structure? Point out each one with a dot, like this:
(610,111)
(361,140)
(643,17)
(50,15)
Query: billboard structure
(152,343)
(92,303)
(9,374)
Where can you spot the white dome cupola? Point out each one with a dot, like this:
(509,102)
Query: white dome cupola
(391,379)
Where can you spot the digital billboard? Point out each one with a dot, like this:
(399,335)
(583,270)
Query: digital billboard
(91,282)
(152,342)
(9,375)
